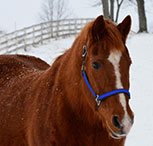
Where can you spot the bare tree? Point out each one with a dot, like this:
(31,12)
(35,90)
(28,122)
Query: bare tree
(105,8)
(119,3)
(142,16)
(109,11)
(108,8)
(47,10)
(112,10)
(61,8)
(53,10)
(140,4)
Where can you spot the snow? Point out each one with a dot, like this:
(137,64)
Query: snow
(50,51)
(141,50)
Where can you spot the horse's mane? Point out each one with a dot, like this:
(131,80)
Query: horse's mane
(111,36)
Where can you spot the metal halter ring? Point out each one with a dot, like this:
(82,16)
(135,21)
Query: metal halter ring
(98,101)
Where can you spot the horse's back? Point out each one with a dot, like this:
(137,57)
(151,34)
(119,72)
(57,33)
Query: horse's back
(15,62)
(17,72)
(14,66)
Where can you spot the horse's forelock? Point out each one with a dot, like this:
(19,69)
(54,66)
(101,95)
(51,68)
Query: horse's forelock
(111,36)
(114,39)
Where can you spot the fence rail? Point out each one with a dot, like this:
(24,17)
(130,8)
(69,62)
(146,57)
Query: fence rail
(40,33)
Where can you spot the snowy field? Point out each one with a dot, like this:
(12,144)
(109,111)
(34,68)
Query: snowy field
(141,50)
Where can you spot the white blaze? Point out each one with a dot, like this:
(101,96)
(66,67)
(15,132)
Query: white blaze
(115,58)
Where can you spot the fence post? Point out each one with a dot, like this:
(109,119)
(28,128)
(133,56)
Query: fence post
(69,27)
(25,38)
(41,38)
(6,38)
(57,28)
(81,23)
(51,29)
(33,35)
(75,27)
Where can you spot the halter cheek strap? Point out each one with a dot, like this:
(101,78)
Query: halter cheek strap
(98,98)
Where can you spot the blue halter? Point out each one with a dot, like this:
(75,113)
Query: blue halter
(99,98)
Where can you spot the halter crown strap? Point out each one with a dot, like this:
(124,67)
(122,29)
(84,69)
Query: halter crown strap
(88,84)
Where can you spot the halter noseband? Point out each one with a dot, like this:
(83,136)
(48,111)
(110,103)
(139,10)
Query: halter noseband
(101,97)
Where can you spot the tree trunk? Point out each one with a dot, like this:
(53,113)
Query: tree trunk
(142,16)
(105,8)
(112,10)
(118,9)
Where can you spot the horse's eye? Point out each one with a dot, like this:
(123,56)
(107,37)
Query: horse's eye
(96,65)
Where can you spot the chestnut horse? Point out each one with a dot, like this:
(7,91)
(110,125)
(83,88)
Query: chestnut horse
(81,100)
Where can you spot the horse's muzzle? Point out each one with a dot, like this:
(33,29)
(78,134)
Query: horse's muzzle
(123,127)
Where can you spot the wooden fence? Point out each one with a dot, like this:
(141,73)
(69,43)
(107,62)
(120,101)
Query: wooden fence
(40,33)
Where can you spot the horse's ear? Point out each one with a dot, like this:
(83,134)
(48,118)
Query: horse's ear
(124,27)
(98,28)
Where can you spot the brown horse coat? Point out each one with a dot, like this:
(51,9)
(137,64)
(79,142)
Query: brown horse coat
(42,105)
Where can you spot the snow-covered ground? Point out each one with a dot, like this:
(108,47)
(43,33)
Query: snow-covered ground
(141,50)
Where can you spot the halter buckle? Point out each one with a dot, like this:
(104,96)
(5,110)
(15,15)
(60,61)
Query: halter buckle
(84,51)
(84,54)
(97,100)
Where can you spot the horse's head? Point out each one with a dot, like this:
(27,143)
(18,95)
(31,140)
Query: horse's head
(105,67)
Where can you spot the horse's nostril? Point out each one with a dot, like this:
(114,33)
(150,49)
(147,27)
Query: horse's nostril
(116,122)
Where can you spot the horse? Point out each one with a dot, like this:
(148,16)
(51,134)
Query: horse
(82,99)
